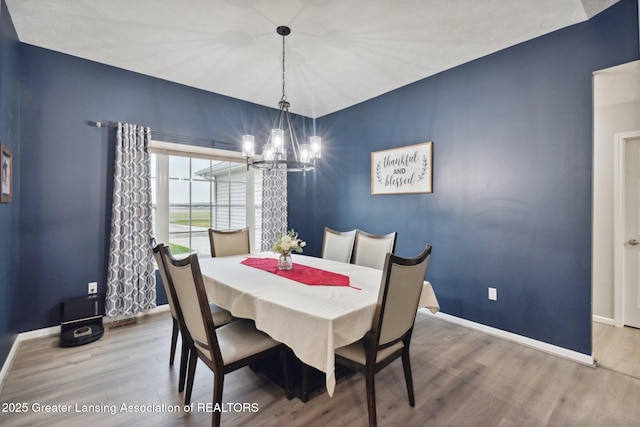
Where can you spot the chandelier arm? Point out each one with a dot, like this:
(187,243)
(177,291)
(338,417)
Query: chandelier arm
(283,165)
(292,135)
(281,117)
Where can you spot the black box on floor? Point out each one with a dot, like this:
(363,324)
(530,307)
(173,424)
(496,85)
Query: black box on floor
(81,320)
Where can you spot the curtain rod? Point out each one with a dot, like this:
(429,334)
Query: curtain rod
(112,125)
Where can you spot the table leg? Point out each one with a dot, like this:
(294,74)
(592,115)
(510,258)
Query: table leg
(304,383)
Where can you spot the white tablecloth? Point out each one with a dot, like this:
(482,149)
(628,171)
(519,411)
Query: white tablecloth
(311,320)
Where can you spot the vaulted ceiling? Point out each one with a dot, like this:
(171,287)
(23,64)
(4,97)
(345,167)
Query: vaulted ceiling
(340,52)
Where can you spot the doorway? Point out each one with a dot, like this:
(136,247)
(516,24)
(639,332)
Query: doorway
(616,128)
(626,250)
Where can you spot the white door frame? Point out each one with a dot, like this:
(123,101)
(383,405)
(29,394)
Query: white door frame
(619,237)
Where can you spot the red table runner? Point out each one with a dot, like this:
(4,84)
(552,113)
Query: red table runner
(300,273)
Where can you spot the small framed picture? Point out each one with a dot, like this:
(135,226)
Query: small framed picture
(403,170)
(6,174)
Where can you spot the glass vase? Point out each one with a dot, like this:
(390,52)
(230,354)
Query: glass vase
(285,262)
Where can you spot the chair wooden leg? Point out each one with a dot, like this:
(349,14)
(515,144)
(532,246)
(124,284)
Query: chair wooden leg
(371,394)
(184,359)
(218,383)
(406,364)
(174,341)
(191,373)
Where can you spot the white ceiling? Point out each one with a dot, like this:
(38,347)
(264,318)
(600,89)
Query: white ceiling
(340,52)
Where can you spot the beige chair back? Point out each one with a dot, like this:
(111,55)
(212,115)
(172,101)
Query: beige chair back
(165,280)
(401,287)
(338,245)
(371,249)
(192,302)
(227,243)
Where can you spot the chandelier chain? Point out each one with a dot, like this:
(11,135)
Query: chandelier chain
(284,97)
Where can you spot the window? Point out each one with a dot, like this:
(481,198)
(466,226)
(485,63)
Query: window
(195,189)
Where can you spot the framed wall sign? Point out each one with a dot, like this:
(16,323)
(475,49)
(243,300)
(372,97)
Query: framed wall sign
(403,170)
(6,174)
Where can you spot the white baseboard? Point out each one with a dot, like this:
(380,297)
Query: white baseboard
(55,330)
(8,361)
(604,320)
(529,342)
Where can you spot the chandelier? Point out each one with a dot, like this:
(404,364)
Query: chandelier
(276,154)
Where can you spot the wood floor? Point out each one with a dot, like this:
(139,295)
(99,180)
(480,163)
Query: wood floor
(462,378)
(617,348)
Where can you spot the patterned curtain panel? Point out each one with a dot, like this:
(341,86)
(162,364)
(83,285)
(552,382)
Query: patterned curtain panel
(274,207)
(131,285)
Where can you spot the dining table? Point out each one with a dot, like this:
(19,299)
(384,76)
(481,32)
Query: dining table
(312,320)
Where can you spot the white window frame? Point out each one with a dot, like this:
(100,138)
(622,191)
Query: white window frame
(162,181)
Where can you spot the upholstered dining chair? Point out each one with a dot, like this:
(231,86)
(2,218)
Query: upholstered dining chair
(229,242)
(390,334)
(338,245)
(370,249)
(220,317)
(223,349)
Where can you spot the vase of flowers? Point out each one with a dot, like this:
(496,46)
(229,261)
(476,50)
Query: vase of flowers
(287,242)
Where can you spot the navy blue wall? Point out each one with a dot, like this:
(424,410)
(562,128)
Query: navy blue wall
(511,206)
(68,165)
(9,213)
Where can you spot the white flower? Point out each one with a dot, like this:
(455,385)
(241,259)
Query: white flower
(288,242)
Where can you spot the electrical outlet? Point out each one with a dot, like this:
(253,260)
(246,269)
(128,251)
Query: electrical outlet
(493,294)
(93,288)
